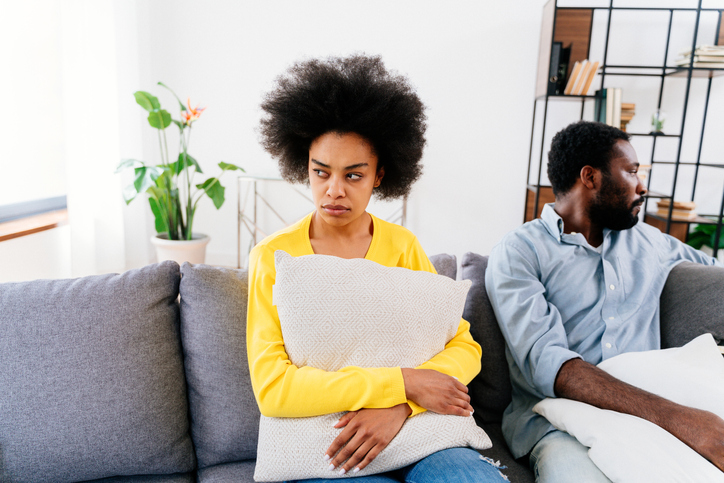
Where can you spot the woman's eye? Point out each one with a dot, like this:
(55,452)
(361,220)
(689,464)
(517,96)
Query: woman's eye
(320,173)
(354,176)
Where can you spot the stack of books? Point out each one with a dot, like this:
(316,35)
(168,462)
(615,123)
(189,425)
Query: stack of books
(581,78)
(608,106)
(628,110)
(705,56)
(683,210)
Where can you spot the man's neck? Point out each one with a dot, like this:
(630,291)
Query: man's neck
(576,220)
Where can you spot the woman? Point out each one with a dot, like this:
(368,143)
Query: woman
(351,129)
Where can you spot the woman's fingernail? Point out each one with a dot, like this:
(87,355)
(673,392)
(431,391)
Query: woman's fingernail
(326,457)
(331,467)
(355,470)
(342,471)
(471,413)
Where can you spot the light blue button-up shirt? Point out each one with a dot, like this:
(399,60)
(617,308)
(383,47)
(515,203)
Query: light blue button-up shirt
(557,298)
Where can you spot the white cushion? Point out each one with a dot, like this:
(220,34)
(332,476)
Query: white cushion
(631,449)
(398,318)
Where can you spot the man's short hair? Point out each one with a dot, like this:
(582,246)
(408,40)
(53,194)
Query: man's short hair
(580,144)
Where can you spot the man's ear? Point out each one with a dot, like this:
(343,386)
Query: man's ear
(590,177)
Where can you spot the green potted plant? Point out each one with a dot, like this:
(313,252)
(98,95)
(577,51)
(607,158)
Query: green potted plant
(172,191)
(702,237)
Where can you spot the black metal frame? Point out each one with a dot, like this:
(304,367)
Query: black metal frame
(665,71)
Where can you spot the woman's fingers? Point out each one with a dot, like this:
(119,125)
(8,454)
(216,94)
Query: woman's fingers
(345,419)
(437,392)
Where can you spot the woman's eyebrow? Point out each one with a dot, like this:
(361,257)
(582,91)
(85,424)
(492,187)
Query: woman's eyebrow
(354,166)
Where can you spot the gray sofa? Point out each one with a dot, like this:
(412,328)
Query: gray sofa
(115,378)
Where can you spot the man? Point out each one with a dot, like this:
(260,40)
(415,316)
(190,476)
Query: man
(580,285)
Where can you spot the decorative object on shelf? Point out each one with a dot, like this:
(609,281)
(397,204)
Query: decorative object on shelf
(628,111)
(683,210)
(172,194)
(644,171)
(705,57)
(657,122)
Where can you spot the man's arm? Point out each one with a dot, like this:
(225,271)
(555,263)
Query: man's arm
(701,430)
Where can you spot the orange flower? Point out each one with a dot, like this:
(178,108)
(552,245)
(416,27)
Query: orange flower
(191,114)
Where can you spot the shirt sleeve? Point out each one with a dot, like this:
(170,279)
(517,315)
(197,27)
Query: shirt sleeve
(678,251)
(532,328)
(284,390)
(461,356)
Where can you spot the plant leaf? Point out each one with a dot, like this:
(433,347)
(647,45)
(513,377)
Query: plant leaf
(230,167)
(159,218)
(179,124)
(129,193)
(127,163)
(147,101)
(214,190)
(159,118)
(180,165)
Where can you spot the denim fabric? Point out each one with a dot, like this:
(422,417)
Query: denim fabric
(557,298)
(462,465)
(560,458)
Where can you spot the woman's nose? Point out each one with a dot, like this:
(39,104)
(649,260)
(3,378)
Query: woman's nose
(335,189)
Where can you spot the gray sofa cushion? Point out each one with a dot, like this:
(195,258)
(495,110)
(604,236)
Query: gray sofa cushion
(445,265)
(175,478)
(239,472)
(692,303)
(224,413)
(490,391)
(92,378)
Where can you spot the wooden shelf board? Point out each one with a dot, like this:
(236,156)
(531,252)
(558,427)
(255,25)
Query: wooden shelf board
(674,219)
(33,224)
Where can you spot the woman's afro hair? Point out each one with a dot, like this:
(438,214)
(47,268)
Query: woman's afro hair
(346,95)
(580,144)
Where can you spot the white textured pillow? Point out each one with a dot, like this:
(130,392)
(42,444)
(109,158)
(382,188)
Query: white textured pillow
(401,318)
(631,449)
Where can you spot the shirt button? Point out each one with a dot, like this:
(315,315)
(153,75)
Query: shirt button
(608,345)
(612,287)
(610,318)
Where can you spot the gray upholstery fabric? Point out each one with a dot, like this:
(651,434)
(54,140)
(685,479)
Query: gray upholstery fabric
(692,303)
(175,478)
(92,378)
(239,472)
(224,413)
(445,265)
(490,390)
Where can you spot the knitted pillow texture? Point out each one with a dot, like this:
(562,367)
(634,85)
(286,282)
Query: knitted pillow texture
(401,318)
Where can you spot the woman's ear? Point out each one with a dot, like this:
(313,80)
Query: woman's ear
(590,177)
(378,177)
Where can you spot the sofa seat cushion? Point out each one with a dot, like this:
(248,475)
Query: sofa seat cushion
(238,472)
(92,378)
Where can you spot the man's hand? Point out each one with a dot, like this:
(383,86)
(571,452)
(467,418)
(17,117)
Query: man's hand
(701,430)
(366,432)
(437,392)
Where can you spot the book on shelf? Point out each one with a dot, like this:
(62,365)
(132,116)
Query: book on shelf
(607,108)
(572,79)
(553,69)
(589,78)
(704,56)
(683,210)
(582,73)
(678,205)
(713,50)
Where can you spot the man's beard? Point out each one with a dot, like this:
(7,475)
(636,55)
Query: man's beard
(609,209)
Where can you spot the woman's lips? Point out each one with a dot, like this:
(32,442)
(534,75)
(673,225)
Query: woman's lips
(335,210)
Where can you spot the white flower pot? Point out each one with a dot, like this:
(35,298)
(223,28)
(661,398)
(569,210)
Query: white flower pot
(192,251)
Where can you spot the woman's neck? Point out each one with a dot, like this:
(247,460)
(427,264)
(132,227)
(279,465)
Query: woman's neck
(347,241)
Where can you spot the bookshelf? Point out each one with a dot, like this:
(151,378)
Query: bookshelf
(574,27)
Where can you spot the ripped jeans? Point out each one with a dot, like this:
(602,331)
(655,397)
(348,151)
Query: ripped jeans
(462,465)
(559,458)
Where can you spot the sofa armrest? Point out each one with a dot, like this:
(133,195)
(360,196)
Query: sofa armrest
(692,303)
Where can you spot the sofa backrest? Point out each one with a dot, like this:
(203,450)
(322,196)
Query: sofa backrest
(91,378)
(692,303)
(224,413)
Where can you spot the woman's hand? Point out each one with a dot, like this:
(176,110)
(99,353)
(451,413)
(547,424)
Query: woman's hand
(437,392)
(366,432)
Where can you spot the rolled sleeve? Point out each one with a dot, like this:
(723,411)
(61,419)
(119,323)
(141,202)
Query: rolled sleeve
(532,327)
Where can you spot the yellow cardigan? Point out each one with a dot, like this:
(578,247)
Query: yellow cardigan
(284,390)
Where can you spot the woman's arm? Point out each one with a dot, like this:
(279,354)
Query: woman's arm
(284,390)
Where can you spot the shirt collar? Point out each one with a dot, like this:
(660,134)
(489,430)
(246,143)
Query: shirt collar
(552,221)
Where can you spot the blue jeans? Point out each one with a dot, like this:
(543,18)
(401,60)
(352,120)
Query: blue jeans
(559,458)
(462,465)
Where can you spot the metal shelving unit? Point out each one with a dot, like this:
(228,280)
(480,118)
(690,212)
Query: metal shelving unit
(534,189)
